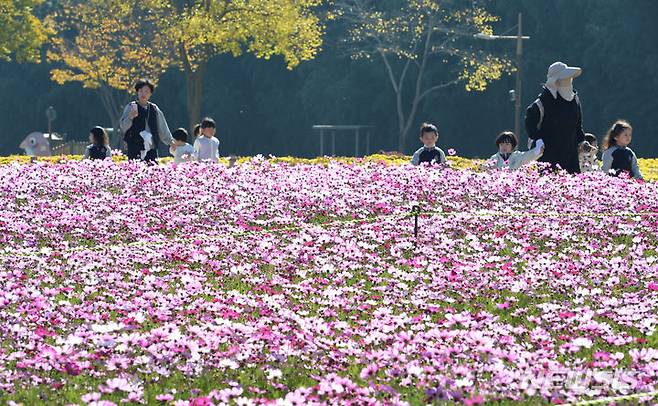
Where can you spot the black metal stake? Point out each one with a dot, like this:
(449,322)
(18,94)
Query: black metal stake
(415,211)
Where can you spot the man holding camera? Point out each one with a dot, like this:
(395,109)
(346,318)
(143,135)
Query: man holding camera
(144,125)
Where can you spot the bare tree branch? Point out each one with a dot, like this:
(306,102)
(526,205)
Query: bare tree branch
(411,35)
(437,87)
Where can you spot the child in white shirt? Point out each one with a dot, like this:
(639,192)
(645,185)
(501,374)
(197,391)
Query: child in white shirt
(206,146)
(180,148)
(508,158)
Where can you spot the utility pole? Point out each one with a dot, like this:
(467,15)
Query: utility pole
(519,77)
(515,94)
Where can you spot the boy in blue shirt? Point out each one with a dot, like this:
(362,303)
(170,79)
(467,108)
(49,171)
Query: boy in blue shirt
(429,153)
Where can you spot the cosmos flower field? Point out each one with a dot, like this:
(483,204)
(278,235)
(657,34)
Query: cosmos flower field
(273,283)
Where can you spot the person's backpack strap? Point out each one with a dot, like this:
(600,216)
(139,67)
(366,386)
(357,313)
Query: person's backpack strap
(540,106)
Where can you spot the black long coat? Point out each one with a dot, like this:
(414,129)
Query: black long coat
(561,128)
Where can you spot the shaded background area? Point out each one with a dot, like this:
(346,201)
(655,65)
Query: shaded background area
(262,108)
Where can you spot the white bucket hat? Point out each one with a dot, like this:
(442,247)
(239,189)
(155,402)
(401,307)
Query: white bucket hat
(560,70)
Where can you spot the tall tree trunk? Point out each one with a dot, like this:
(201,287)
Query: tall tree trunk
(405,123)
(115,141)
(403,127)
(195,81)
(397,82)
(113,102)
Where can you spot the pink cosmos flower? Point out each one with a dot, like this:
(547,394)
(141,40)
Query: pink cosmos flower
(201,401)
(601,356)
(72,368)
(164,397)
(368,372)
(475,400)
(181,272)
(43,332)
(90,397)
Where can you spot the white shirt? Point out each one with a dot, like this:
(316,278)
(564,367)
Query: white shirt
(183,153)
(206,149)
(517,159)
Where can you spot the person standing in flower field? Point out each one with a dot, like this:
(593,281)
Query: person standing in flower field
(100,145)
(197,130)
(429,152)
(143,124)
(508,158)
(618,158)
(180,149)
(206,146)
(587,154)
(556,117)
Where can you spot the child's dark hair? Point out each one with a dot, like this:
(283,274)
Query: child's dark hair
(99,136)
(208,123)
(507,136)
(591,138)
(144,82)
(180,135)
(428,128)
(197,130)
(610,139)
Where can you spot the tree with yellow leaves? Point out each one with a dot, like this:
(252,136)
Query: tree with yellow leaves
(106,45)
(418,35)
(21,33)
(201,29)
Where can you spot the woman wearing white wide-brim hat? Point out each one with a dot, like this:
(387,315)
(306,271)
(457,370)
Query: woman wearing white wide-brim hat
(556,117)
